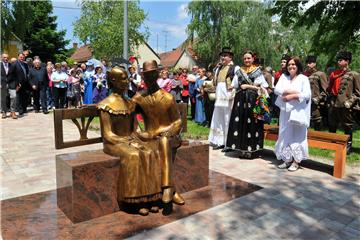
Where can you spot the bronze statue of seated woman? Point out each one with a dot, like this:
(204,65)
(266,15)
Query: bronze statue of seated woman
(140,172)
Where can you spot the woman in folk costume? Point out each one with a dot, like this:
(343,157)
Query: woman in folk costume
(223,76)
(250,109)
(140,172)
(200,117)
(294,94)
(88,85)
(99,83)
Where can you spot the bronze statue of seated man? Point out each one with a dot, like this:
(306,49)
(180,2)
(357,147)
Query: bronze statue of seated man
(162,121)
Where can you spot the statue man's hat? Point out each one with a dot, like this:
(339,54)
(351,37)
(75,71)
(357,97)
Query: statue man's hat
(150,66)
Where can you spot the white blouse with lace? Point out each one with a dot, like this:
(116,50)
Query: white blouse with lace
(294,119)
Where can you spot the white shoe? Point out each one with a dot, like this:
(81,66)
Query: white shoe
(294,166)
(284,165)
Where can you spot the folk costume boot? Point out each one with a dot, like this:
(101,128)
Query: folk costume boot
(349,143)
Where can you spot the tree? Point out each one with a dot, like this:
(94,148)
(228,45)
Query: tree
(101,25)
(338,23)
(239,25)
(32,22)
(43,38)
(13,14)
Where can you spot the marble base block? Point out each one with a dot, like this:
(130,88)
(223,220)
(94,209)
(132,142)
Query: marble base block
(191,167)
(87,184)
(87,181)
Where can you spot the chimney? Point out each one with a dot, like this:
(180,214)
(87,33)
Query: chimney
(75,45)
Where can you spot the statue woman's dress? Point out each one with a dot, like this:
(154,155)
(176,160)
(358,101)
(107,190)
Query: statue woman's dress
(140,168)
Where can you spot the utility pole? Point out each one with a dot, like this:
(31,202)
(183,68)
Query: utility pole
(166,33)
(157,43)
(126,47)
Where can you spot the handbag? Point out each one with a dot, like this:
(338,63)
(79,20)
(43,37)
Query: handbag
(298,117)
(212,96)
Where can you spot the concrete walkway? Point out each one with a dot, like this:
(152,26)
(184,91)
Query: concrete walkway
(307,204)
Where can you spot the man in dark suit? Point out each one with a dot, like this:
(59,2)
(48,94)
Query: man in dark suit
(19,79)
(5,66)
(38,79)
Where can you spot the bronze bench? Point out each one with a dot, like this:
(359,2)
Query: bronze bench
(86,114)
(322,140)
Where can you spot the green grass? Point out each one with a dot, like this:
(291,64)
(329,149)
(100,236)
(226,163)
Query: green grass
(195,131)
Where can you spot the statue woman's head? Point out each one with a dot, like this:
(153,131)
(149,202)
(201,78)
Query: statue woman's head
(118,80)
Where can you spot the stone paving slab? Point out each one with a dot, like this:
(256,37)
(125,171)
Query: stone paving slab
(306,204)
(28,154)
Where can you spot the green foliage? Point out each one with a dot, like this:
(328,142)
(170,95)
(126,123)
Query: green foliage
(242,26)
(253,25)
(338,23)
(33,23)
(101,24)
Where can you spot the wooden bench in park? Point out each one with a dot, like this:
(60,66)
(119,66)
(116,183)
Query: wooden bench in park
(322,140)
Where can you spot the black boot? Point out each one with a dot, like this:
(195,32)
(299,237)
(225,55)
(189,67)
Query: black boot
(349,143)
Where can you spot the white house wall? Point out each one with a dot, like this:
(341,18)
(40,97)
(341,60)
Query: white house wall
(144,53)
(185,61)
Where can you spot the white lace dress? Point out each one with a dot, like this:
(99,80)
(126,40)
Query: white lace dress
(294,119)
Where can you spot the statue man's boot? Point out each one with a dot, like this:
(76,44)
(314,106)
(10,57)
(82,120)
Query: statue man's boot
(178,199)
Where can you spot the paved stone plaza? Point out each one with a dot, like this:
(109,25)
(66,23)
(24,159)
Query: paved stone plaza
(307,204)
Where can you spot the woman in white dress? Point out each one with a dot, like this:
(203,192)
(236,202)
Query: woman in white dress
(294,94)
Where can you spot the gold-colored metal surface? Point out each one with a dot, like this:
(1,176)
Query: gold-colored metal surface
(140,171)
(162,122)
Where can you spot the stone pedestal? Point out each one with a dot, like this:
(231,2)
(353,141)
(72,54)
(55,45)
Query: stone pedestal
(87,181)
(87,184)
(191,167)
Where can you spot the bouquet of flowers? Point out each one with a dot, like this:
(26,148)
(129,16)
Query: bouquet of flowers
(261,110)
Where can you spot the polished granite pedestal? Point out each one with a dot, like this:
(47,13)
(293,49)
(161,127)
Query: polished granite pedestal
(87,181)
(37,216)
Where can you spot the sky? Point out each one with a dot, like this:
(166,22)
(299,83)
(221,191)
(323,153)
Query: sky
(166,21)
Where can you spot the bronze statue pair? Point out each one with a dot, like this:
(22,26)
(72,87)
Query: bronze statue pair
(146,156)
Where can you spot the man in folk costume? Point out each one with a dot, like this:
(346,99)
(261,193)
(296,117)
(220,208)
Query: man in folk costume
(318,84)
(283,62)
(223,76)
(284,59)
(344,91)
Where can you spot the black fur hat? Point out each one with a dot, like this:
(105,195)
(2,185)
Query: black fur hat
(226,50)
(311,59)
(344,55)
(285,57)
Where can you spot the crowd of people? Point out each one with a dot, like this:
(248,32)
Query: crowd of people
(234,101)
(248,96)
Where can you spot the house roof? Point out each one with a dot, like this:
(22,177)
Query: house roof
(169,59)
(82,54)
